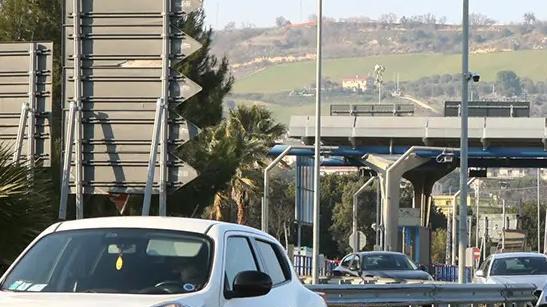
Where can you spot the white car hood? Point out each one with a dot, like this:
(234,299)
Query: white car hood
(12,299)
(538,280)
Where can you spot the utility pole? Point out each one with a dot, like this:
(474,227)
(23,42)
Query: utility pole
(317,162)
(464,144)
(504,224)
(448,256)
(539,209)
(477,206)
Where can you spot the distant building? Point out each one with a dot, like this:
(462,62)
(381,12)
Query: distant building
(515,173)
(444,204)
(355,84)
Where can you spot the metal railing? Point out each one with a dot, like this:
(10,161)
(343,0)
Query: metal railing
(386,109)
(426,294)
(449,273)
(303,266)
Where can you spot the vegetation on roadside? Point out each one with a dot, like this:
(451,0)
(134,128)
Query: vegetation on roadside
(25,206)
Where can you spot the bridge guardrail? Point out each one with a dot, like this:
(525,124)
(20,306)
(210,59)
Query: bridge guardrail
(426,294)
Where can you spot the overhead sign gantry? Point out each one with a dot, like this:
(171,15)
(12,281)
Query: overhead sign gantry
(120,97)
(25,101)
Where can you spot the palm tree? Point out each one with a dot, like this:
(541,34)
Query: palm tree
(25,208)
(251,131)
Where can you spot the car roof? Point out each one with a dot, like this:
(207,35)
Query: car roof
(149,222)
(520,254)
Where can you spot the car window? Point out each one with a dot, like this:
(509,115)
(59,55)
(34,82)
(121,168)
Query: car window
(124,261)
(239,258)
(485,265)
(273,262)
(519,266)
(355,264)
(346,262)
(387,262)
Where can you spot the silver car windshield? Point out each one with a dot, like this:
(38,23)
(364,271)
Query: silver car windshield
(129,261)
(387,262)
(519,266)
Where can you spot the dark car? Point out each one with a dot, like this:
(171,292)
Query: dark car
(388,265)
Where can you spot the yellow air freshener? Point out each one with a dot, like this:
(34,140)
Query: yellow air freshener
(119,263)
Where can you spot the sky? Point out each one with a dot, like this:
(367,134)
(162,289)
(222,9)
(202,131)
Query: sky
(262,13)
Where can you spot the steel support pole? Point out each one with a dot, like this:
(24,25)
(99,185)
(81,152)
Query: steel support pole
(454,230)
(31,122)
(78,116)
(464,144)
(485,236)
(266,199)
(317,163)
(67,160)
(469,222)
(448,256)
(21,133)
(539,208)
(148,191)
(455,222)
(477,213)
(164,132)
(545,235)
(355,219)
(378,210)
(503,213)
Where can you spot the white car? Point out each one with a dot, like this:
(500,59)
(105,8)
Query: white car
(515,268)
(153,262)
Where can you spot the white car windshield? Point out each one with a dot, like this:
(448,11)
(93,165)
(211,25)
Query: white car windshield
(519,266)
(129,261)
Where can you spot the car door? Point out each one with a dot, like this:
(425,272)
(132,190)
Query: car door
(239,256)
(250,253)
(274,263)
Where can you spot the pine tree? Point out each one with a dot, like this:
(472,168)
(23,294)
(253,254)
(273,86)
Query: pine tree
(205,109)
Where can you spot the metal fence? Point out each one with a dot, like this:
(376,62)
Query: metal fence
(449,273)
(386,109)
(303,266)
(426,294)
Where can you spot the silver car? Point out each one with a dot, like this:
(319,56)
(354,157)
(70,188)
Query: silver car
(381,265)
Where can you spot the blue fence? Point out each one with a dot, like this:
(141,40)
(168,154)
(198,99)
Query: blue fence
(449,273)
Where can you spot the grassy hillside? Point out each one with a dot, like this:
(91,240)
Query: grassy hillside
(285,77)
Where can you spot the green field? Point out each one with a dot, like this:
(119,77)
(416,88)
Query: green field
(286,77)
(283,113)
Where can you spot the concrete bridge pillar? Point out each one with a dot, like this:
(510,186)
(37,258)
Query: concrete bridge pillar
(391,182)
(423,179)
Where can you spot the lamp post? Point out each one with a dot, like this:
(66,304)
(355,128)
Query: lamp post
(464,144)
(317,162)
(539,209)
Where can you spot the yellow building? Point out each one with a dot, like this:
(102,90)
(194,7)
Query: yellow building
(444,203)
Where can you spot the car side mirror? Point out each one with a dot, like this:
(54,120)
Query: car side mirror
(479,273)
(422,268)
(251,284)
